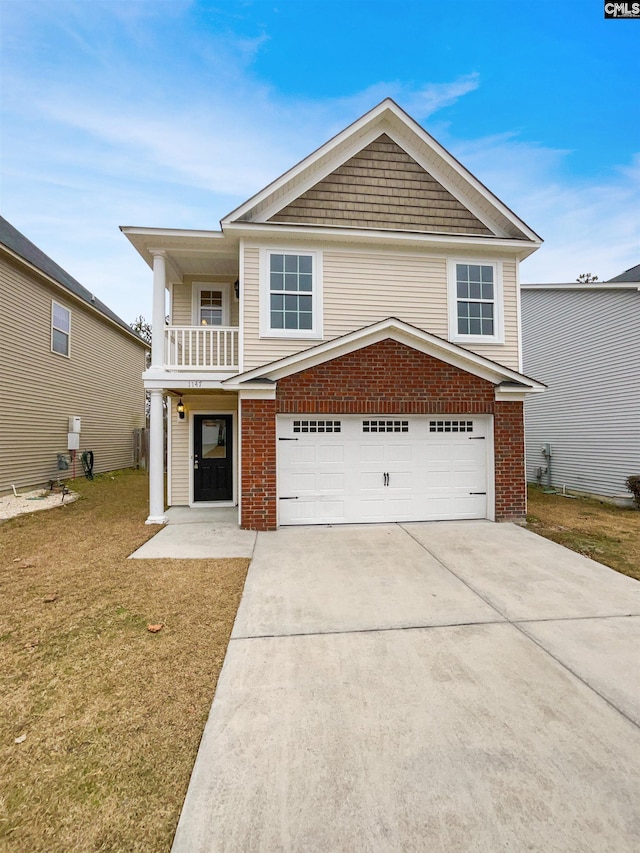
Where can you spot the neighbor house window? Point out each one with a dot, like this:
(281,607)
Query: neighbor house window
(60,328)
(475,302)
(290,294)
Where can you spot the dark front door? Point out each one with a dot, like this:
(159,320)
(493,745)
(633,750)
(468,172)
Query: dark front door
(212,458)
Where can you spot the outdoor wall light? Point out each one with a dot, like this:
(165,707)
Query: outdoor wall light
(236,288)
(180,409)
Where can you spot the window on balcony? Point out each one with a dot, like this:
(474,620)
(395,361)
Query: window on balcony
(211,304)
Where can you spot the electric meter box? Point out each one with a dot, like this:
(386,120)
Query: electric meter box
(74,425)
(73,441)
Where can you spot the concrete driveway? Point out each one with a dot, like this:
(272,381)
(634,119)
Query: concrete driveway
(445,687)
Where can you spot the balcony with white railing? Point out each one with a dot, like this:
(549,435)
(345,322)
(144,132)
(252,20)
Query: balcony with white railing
(213,348)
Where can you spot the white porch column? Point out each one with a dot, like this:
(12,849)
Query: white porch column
(156,459)
(158,315)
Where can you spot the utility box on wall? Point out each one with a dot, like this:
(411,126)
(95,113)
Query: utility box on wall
(74,425)
(73,441)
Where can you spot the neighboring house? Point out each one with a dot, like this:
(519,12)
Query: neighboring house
(63,354)
(346,348)
(582,341)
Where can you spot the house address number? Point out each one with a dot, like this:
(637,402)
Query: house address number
(195,383)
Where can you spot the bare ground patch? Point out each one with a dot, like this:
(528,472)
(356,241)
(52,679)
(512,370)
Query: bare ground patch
(109,715)
(601,531)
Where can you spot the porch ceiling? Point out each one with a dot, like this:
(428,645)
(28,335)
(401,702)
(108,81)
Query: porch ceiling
(188,252)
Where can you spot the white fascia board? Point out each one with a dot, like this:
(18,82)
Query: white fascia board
(502,396)
(398,331)
(135,231)
(574,285)
(254,393)
(184,382)
(255,230)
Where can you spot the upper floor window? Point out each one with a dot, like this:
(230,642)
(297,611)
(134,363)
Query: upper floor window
(290,299)
(475,302)
(60,329)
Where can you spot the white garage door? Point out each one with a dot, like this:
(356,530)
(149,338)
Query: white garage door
(341,469)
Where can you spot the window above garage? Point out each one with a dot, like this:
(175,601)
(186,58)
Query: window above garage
(290,294)
(475,301)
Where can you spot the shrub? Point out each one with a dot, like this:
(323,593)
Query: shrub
(633,484)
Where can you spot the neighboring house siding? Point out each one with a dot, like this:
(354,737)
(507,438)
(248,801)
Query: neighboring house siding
(382,187)
(584,346)
(364,287)
(180,461)
(101,382)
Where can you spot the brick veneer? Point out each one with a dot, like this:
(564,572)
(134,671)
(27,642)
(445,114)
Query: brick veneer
(383,378)
(258,475)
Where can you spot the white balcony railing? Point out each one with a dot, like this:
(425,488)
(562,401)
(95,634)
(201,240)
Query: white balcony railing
(201,348)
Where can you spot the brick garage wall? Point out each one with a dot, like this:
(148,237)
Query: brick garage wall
(384,378)
(258,475)
(511,490)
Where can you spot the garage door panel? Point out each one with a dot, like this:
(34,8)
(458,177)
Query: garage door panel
(391,473)
(399,453)
(371,453)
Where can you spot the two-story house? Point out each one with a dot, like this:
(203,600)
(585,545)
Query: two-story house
(346,348)
(70,372)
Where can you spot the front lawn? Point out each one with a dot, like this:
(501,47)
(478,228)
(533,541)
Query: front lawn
(602,531)
(100,719)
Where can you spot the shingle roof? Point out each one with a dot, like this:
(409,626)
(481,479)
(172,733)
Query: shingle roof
(18,243)
(632,274)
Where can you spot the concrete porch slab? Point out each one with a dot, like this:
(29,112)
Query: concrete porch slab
(202,533)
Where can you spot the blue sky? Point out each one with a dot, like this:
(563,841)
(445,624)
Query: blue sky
(171,112)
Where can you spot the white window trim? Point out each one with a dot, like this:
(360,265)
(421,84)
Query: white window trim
(498,303)
(266,331)
(68,334)
(198,287)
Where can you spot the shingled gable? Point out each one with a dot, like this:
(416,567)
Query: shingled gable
(383,172)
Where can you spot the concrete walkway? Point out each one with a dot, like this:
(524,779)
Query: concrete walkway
(423,687)
(200,534)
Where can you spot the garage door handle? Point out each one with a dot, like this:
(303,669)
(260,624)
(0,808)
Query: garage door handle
(477,437)
(287,439)
(386,479)
(288,499)
(477,493)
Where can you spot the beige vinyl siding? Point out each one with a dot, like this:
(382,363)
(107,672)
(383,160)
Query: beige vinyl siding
(179,461)
(182,302)
(360,288)
(101,382)
(382,187)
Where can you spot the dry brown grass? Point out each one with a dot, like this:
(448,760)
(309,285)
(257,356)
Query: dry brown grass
(112,714)
(602,531)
